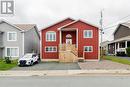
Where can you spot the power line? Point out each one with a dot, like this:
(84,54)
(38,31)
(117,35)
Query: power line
(118,20)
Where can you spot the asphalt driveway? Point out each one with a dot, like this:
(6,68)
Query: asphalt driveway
(50,66)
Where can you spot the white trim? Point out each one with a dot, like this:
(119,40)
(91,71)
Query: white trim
(50,32)
(89,23)
(67,25)
(77,37)
(49,60)
(8,36)
(88,51)
(98,46)
(87,31)
(50,51)
(23,43)
(77,21)
(61,20)
(60,37)
(11,47)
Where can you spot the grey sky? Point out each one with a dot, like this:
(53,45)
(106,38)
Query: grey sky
(46,12)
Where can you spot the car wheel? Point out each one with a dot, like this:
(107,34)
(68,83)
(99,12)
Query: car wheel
(19,65)
(31,63)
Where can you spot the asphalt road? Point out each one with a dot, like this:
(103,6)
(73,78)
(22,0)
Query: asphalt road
(77,81)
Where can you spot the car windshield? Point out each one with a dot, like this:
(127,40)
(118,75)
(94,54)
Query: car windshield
(27,56)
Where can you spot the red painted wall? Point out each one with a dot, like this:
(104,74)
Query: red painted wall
(54,55)
(86,41)
(72,33)
(81,41)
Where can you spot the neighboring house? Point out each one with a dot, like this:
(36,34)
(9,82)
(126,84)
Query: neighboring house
(105,47)
(18,39)
(70,40)
(121,40)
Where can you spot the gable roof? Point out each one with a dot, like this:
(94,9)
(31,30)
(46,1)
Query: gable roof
(4,21)
(126,24)
(58,23)
(25,27)
(76,22)
(22,27)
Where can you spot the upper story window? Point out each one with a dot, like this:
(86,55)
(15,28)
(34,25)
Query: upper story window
(11,36)
(88,34)
(50,36)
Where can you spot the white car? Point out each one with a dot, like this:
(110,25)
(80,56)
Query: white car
(28,59)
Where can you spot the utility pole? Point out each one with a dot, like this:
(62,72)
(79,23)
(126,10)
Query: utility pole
(101,29)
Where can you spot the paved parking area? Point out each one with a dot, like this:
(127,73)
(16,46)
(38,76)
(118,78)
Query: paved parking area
(50,66)
(103,64)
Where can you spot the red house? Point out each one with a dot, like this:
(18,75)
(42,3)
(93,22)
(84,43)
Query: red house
(70,40)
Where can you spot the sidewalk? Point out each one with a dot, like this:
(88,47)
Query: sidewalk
(64,72)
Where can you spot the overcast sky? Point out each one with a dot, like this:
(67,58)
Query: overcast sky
(46,12)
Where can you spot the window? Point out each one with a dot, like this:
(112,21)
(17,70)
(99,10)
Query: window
(11,36)
(51,36)
(51,49)
(88,48)
(12,52)
(68,36)
(88,34)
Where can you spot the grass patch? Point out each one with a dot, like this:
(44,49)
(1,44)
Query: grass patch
(5,66)
(115,59)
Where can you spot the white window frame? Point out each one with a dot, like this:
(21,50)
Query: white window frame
(52,47)
(88,46)
(88,31)
(8,36)
(48,40)
(10,48)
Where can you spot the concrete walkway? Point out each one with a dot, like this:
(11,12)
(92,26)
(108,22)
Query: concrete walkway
(103,65)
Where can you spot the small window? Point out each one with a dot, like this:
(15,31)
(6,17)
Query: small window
(68,36)
(51,36)
(88,34)
(11,36)
(88,48)
(51,49)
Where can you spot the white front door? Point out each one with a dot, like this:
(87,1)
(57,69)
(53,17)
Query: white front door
(68,41)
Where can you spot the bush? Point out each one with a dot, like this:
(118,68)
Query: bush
(128,51)
(7,60)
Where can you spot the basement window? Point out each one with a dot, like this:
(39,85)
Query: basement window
(88,48)
(51,49)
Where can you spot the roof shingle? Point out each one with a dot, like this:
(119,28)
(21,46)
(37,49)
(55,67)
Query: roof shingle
(25,27)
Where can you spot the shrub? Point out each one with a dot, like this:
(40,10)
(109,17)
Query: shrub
(128,51)
(7,60)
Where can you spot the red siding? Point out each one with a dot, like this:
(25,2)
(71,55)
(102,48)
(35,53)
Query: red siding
(81,26)
(54,55)
(86,41)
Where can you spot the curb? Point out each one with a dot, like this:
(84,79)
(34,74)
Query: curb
(63,72)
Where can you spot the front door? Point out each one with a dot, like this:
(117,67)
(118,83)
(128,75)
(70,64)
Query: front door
(68,41)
